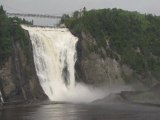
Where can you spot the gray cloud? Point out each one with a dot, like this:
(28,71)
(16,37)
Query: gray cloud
(67,6)
(59,7)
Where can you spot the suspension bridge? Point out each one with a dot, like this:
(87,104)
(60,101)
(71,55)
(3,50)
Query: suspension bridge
(34,15)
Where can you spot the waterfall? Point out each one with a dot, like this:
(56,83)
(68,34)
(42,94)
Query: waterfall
(54,52)
(1,97)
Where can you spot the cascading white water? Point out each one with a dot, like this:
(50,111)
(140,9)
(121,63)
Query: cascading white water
(1,97)
(54,52)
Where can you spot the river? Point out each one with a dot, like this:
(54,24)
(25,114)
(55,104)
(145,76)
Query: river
(81,112)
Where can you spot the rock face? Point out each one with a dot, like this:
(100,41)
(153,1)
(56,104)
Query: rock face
(94,69)
(18,79)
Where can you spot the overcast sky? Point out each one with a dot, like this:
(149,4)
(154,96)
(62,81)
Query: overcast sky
(59,7)
(67,6)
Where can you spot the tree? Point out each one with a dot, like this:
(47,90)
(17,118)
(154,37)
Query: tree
(64,18)
(2,10)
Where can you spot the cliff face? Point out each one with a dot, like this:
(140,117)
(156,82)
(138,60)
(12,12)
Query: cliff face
(117,47)
(18,79)
(94,69)
(108,72)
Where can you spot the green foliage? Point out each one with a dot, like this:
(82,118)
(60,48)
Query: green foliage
(5,43)
(134,37)
(10,31)
(64,17)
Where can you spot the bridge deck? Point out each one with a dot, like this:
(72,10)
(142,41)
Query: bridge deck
(34,15)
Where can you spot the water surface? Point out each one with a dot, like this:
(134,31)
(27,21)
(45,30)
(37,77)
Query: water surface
(81,112)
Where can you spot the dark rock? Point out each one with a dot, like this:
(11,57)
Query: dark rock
(112,98)
(92,68)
